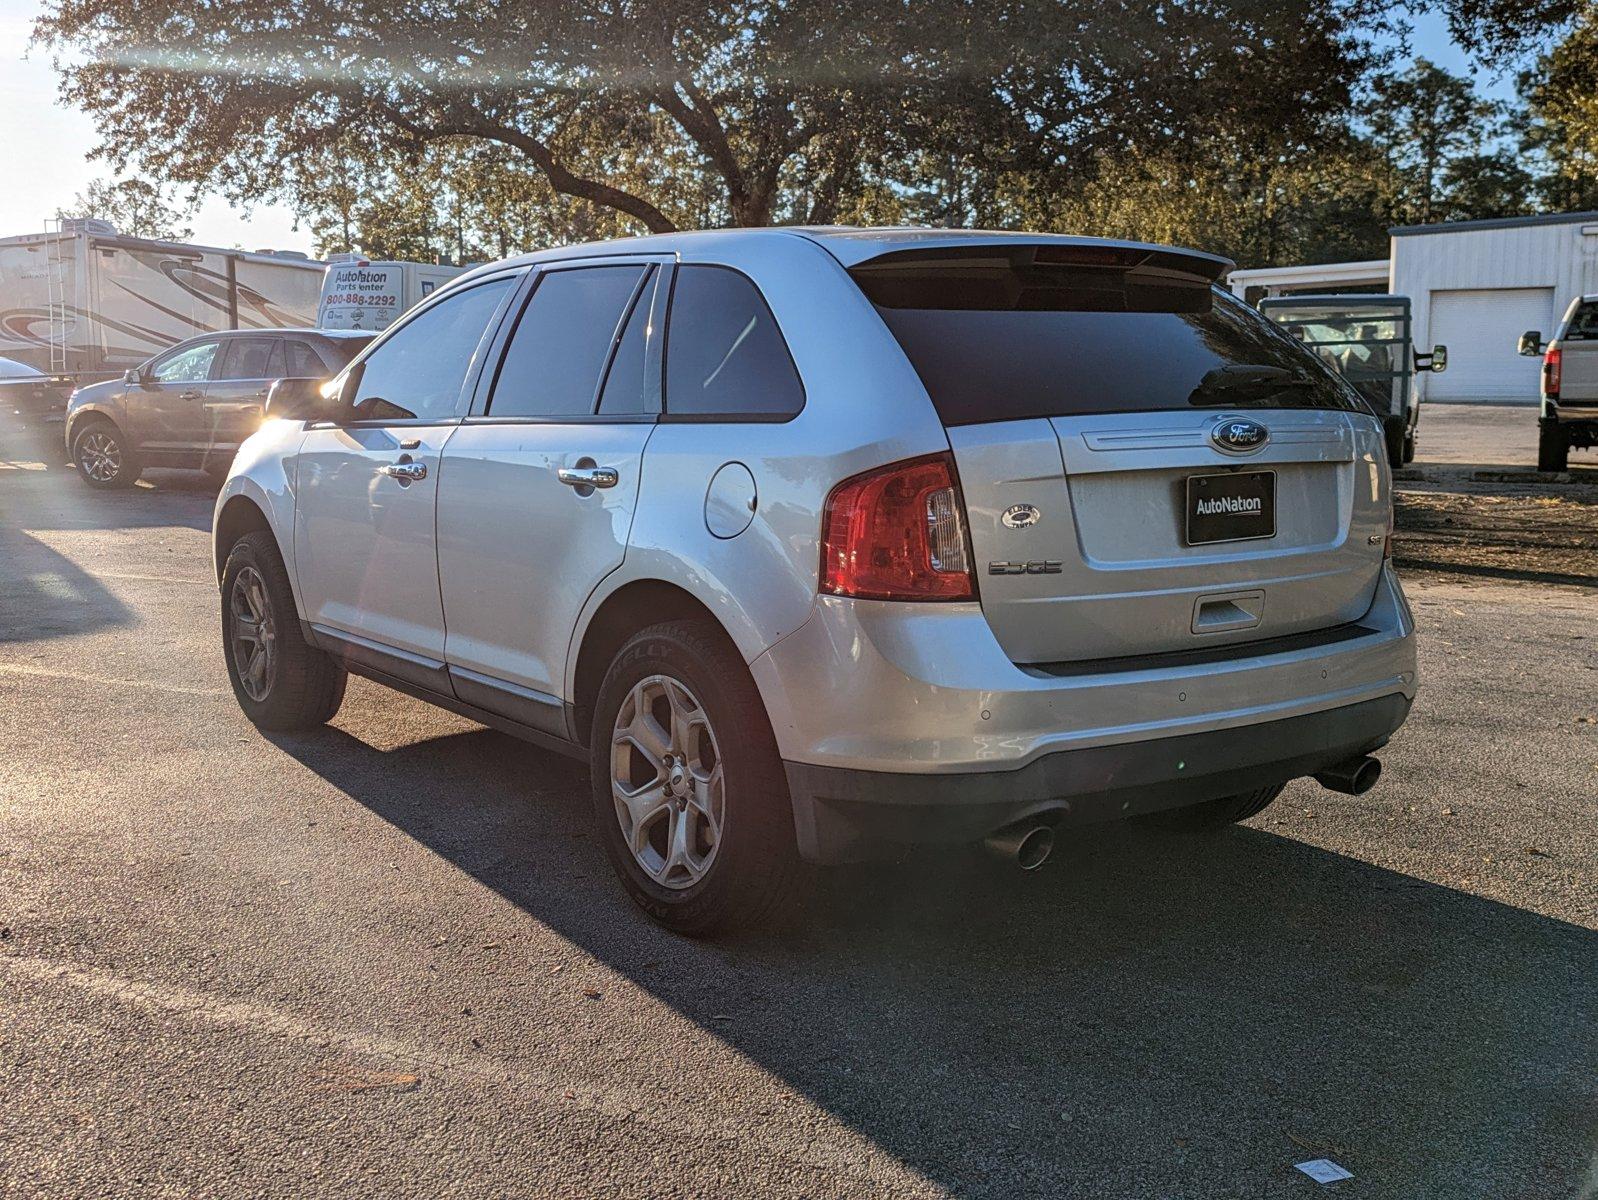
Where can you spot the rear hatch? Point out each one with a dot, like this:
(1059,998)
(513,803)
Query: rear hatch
(1147,465)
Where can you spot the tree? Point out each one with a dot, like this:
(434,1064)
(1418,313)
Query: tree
(673,113)
(135,206)
(1559,126)
(1429,127)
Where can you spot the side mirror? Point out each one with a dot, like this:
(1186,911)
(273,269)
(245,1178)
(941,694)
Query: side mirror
(134,376)
(299,400)
(1531,343)
(1436,361)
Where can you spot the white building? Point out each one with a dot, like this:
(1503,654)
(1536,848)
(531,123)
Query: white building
(1474,286)
(1259,283)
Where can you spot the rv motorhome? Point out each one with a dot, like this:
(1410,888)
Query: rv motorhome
(82,303)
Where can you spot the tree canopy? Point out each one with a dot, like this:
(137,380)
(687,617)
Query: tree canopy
(136,207)
(468,128)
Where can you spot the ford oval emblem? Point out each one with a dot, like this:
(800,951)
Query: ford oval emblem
(1239,435)
(1021,516)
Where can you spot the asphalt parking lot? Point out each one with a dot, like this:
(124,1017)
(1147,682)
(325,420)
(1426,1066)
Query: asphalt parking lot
(388,958)
(1483,435)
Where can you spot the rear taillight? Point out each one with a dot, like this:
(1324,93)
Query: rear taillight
(898,533)
(1551,373)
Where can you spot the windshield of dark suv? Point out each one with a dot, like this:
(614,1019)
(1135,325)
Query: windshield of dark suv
(1002,336)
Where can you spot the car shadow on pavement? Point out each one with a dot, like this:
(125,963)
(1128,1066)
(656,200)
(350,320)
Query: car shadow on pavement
(34,498)
(44,594)
(1143,998)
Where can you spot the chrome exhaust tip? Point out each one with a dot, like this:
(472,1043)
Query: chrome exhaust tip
(1353,776)
(1028,846)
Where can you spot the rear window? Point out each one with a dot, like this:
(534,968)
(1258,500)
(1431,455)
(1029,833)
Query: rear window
(1583,323)
(1000,336)
(331,357)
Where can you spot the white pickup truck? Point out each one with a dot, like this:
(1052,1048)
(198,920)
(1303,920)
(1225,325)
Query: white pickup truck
(1569,415)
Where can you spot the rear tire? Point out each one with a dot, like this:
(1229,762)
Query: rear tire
(1394,431)
(281,681)
(1409,447)
(688,788)
(102,455)
(1215,814)
(1553,451)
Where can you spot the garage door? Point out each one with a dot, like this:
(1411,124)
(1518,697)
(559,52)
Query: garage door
(1481,329)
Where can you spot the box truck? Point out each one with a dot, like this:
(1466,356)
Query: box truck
(360,294)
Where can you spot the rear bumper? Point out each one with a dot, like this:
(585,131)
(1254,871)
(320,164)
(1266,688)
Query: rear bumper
(1572,418)
(875,705)
(842,814)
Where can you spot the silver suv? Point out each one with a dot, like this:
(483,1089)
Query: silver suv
(815,543)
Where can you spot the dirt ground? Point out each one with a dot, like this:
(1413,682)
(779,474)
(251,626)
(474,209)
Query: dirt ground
(1463,530)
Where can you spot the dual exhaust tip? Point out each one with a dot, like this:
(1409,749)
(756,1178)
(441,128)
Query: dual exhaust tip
(1029,845)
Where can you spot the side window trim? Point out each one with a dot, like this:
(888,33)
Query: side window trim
(646,282)
(488,374)
(750,418)
(350,377)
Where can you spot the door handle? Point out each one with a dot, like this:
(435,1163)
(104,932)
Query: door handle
(405,472)
(594,477)
(191,394)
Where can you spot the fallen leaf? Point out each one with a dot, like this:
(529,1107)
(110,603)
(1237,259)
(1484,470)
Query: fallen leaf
(593,993)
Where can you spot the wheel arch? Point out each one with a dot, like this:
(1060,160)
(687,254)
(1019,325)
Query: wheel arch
(239,515)
(631,607)
(77,418)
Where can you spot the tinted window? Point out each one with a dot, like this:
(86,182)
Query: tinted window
(252,358)
(562,342)
(1584,323)
(724,353)
(418,371)
(1001,337)
(624,391)
(190,365)
(300,361)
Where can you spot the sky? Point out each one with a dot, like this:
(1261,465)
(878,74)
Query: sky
(44,148)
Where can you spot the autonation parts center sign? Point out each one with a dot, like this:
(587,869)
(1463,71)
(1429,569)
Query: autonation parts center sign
(360,297)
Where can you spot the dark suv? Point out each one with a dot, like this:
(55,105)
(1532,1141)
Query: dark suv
(192,405)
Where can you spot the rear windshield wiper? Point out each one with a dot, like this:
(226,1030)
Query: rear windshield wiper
(1246,381)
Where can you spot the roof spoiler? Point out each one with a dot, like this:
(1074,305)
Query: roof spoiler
(1046,251)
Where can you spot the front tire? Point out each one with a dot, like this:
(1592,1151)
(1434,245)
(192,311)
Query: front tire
(1553,451)
(103,456)
(688,788)
(1217,813)
(281,681)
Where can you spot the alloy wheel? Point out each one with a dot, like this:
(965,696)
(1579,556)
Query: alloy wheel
(254,634)
(667,782)
(100,456)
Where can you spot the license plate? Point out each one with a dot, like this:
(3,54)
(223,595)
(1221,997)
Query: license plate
(1231,508)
